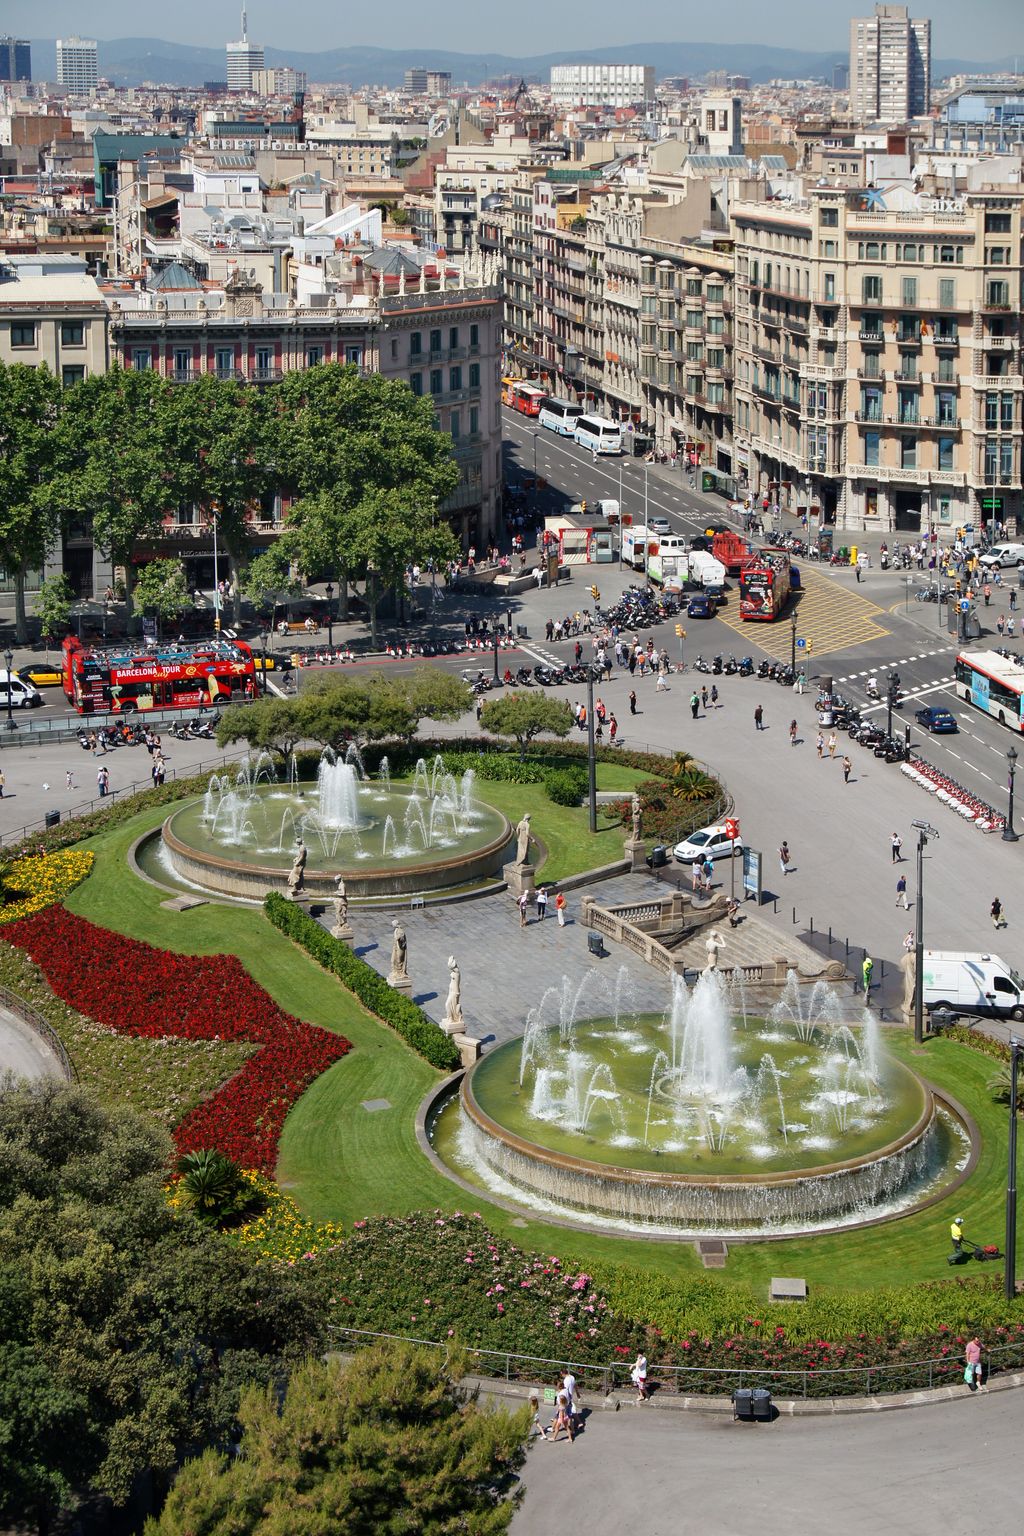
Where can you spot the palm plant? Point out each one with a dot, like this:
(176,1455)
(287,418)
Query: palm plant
(214,1187)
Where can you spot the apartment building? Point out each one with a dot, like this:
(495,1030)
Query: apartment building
(77,65)
(52,314)
(878,372)
(601,85)
(890,66)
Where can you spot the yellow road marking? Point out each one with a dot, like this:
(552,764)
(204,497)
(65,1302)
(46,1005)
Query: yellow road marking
(830,616)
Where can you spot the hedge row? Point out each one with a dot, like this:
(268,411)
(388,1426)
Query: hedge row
(404,1017)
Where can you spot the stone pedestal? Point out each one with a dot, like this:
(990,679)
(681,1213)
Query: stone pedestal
(635,853)
(343,931)
(453,1027)
(519,878)
(400,983)
(469,1049)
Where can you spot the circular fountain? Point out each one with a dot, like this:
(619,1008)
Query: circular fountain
(241,837)
(704,1119)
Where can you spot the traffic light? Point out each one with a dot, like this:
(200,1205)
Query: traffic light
(959,586)
(680,631)
(583,508)
(595,593)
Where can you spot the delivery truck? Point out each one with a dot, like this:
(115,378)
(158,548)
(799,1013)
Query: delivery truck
(962,982)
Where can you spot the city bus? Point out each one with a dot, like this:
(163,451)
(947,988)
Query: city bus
(993,683)
(122,679)
(765,582)
(598,434)
(522,396)
(560,416)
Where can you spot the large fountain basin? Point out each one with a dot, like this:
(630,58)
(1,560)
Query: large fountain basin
(238,870)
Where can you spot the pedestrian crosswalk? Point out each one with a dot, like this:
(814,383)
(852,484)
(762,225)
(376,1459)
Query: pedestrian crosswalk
(904,661)
(830,617)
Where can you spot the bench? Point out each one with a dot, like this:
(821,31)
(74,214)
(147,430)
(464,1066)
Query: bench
(784,1289)
(298,627)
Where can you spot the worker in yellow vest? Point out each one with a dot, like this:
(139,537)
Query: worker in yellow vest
(956,1233)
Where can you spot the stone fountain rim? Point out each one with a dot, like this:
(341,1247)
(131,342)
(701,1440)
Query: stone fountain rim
(658,1179)
(441,1093)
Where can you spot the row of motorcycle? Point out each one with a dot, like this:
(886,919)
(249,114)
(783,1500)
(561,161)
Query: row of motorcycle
(640,608)
(727,665)
(545,677)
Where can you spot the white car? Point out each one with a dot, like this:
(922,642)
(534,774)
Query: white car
(710,840)
(659,525)
(1003,554)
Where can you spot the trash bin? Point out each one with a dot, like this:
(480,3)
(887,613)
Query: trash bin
(761,1402)
(53,818)
(659,856)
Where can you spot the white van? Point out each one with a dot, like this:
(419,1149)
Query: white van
(1003,554)
(972,983)
(21,695)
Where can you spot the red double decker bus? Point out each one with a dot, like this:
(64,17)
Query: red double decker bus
(122,679)
(765,582)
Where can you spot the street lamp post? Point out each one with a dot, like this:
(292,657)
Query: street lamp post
(263,638)
(792,644)
(647,541)
(924,831)
(892,693)
(591,759)
(216,583)
(329,594)
(1010,1262)
(9,658)
(495,633)
(1009,835)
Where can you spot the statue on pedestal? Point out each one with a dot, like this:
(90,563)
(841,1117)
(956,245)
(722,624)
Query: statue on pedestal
(297,873)
(637,814)
(453,1020)
(523,836)
(714,942)
(341,928)
(399,956)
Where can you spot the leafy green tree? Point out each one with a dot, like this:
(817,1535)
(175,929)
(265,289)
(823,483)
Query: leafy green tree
(267,580)
(163,585)
(53,608)
(117,466)
(29,509)
(368,467)
(525,716)
(270,724)
(223,435)
(438,695)
(338,709)
(388,1444)
(126,1332)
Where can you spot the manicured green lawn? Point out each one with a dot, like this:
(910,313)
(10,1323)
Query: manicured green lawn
(341,1162)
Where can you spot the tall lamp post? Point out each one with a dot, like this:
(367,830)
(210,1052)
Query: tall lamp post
(9,658)
(495,634)
(263,639)
(329,594)
(214,509)
(792,645)
(647,541)
(1009,835)
(925,830)
(1010,1274)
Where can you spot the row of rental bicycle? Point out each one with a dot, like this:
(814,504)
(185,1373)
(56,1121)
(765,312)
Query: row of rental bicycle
(957,796)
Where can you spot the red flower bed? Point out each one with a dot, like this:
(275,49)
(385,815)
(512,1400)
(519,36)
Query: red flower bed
(138,990)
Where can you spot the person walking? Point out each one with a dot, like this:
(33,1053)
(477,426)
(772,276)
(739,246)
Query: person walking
(784,857)
(524,903)
(3,783)
(613,729)
(704,697)
(801,679)
(792,733)
(661,686)
(833,742)
(1001,625)
(901,893)
(973,1370)
(1013,596)
(820,745)
(638,1376)
(560,908)
(542,903)
(694,704)
(896,844)
(102,780)
(561,1420)
(847,767)
(759,718)
(908,942)
(995,912)
(986,593)
(714,697)
(866,972)
(632,700)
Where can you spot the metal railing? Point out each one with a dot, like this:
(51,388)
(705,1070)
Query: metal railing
(718,1381)
(18,1006)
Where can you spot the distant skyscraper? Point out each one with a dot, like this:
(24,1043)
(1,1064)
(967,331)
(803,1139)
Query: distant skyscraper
(77,68)
(15,59)
(840,77)
(244,59)
(601,85)
(890,66)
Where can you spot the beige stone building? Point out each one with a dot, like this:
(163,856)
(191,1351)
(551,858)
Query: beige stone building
(52,313)
(878,372)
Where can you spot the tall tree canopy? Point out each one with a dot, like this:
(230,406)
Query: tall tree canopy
(29,505)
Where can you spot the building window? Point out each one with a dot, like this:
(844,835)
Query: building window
(182,362)
(455,425)
(314,357)
(872,365)
(715,325)
(141,359)
(415,344)
(909,292)
(435,341)
(23,334)
(830,218)
(947,292)
(72,333)
(453,337)
(871,289)
(1006,412)
(872,441)
(997,223)
(474,375)
(454,378)
(474,335)
(264,359)
(354,355)
(436,381)
(72,374)
(945,453)
(416,383)
(908,453)
(946,373)
(474,420)
(945,408)
(871,404)
(997,294)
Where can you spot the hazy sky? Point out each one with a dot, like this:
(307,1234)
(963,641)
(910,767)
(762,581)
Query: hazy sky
(983,29)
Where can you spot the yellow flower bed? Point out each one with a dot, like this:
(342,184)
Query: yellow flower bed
(42,880)
(282,1232)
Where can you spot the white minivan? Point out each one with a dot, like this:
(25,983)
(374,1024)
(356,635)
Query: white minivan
(972,983)
(1003,554)
(22,695)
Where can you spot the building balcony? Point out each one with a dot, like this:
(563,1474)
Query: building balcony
(266,375)
(869,418)
(902,377)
